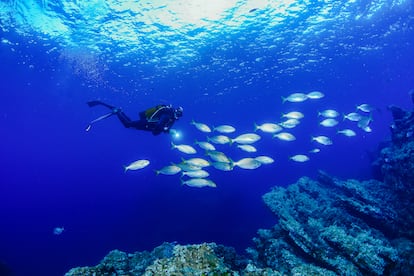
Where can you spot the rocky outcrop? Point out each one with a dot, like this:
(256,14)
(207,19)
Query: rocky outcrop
(172,259)
(329,227)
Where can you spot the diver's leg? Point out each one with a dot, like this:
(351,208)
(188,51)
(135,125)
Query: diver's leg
(124,119)
(140,124)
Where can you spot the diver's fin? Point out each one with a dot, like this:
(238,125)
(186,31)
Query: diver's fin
(95,103)
(99,119)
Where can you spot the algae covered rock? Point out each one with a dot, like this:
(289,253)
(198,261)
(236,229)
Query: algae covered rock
(329,227)
(199,259)
(170,259)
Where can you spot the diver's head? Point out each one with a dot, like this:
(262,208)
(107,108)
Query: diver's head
(178,112)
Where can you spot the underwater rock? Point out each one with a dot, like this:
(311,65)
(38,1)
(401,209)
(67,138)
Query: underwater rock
(397,166)
(397,160)
(329,227)
(173,259)
(197,259)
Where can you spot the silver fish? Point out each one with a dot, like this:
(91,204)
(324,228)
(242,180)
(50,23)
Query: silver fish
(248,138)
(196,174)
(169,170)
(295,98)
(329,122)
(198,182)
(139,164)
(248,163)
(323,140)
(225,129)
(329,113)
(184,148)
(200,126)
(299,158)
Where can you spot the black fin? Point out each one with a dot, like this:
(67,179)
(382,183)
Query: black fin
(95,103)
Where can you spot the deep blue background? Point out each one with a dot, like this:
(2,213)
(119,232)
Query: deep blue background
(53,173)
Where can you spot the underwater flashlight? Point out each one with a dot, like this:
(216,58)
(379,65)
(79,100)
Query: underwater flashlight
(175,133)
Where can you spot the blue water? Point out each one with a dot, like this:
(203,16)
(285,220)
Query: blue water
(225,64)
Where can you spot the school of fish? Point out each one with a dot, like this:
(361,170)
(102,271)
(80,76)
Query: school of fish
(192,170)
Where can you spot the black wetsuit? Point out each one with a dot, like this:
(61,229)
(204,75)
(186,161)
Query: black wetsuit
(159,121)
(156,119)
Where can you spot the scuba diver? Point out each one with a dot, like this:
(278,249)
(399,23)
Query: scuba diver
(156,119)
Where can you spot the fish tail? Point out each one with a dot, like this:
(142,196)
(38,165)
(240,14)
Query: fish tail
(172,145)
(157,172)
(232,163)
(343,116)
(193,122)
(256,127)
(370,117)
(283,99)
(125,169)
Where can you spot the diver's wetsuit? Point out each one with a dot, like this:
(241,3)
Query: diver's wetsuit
(159,121)
(156,119)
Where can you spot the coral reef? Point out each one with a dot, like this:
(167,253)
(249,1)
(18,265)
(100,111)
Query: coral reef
(171,259)
(325,227)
